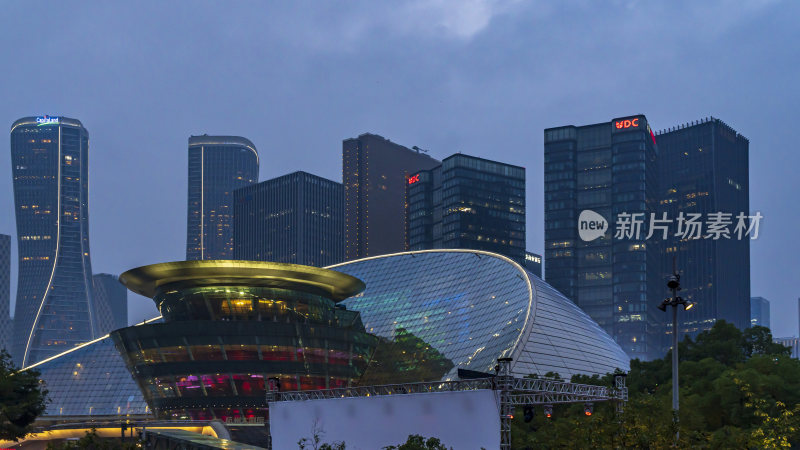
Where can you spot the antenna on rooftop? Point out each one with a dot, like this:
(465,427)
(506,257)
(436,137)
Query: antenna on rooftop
(419,150)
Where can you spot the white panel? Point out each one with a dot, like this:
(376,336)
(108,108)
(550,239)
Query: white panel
(461,420)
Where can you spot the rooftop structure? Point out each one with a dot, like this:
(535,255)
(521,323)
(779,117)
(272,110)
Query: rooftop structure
(230,325)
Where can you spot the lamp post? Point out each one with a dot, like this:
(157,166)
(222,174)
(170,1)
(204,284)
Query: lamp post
(674,284)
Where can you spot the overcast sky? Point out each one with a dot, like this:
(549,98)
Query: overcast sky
(480,77)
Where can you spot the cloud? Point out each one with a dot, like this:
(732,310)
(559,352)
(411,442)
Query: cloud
(349,27)
(458,19)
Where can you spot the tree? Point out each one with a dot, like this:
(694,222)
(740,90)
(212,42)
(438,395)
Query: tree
(315,443)
(758,341)
(22,399)
(417,442)
(737,390)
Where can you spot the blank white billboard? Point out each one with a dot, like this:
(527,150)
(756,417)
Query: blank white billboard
(461,420)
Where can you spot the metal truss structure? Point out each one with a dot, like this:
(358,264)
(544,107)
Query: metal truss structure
(386,389)
(512,392)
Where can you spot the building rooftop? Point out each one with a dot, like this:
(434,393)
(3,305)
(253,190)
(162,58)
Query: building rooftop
(205,139)
(148,280)
(46,120)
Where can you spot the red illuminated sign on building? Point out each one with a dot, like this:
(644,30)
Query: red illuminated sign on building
(413,179)
(627,123)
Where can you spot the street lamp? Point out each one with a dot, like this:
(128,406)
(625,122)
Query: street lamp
(674,284)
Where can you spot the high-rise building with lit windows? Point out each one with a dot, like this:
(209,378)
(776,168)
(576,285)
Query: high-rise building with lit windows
(470,203)
(295,218)
(54,310)
(374,174)
(111,302)
(703,169)
(6,329)
(218,165)
(607,169)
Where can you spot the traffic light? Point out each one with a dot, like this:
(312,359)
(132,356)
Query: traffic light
(548,411)
(528,413)
(588,408)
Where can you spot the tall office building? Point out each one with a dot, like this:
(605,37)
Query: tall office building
(759,312)
(5,293)
(533,263)
(54,311)
(703,169)
(595,173)
(111,302)
(468,202)
(374,174)
(218,165)
(296,218)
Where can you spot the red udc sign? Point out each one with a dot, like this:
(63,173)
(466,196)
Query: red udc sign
(626,123)
(413,179)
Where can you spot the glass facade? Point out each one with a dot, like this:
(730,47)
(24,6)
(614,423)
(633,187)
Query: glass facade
(222,339)
(297,218)
(6,326)
(111,301)
(54,310)
(374,174)
(468,202)
(425,315)
(609,170)
(450,309)
(217,166)
(703,168)
(91,380)
(759,312)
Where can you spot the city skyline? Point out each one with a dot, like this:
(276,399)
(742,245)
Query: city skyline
(445,105)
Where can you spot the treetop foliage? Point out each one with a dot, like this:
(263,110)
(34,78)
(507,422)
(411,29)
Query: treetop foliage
(22,399)
(738,389)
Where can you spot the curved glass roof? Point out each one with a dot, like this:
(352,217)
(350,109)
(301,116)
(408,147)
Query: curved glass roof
(474,307)
(90,380)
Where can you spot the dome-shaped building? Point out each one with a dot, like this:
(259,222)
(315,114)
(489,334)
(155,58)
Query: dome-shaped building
(466,308)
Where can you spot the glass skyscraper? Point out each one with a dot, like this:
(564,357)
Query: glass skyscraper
(111,301)
(703,168)
(218,165)
(468,202)
(374,174)
(296,218)
(759,312)
(54,311)
(5,293)
(606,169)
